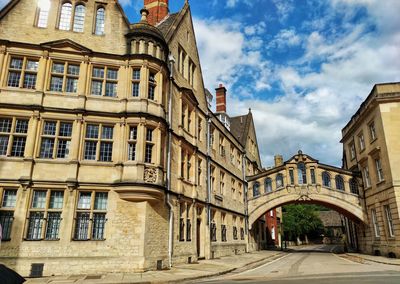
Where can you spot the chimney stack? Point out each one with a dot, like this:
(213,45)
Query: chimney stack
(158,10)
(278,160)
(221,98)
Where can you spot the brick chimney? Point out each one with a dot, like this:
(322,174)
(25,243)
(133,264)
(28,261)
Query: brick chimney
(158,10)
(221,98)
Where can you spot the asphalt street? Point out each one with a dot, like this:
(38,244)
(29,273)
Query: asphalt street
(314,264)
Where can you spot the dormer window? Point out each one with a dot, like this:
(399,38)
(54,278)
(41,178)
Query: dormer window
(100,21)
(43,13)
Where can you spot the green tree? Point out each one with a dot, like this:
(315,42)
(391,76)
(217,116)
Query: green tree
(301,220)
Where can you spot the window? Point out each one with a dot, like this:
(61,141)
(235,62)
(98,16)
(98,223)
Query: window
(182,222)
(268,185)
(352,151)
(104,81)
(199,172)
(389,220)
(212,179)
(43,13)
(222,183)
(242,233)
(273,233)
(256,189)
(211,137)
(181,60)
(152,86)
(312,172)
(188,166)
(375,223)
(361,141)
(326,179)
(188,224)
(200,129)
(379,170)
(233,188)
(65,17)
(353,186)
(148,157)
(79,18)
(301,171)
(235,231)
(56,140)
(372,131)
(279,181)
(64,77)
(192,72)
(7,206)
(291,175)
(223,233)
(90,218)
(367,179)
(13,134)
(22,73)
(339,182)
(221,146)
(45,215)
(132,140)
(98,142)
(136,83)
(213,231)
(100,21)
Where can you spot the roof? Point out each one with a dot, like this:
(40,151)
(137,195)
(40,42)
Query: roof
(330,218)
(240,126)
(166,24)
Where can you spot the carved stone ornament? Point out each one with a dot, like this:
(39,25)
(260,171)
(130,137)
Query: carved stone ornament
(150,175)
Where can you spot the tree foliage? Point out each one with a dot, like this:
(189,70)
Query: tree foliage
(300,220)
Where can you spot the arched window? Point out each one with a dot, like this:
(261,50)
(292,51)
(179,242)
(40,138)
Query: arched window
(279,181)
(79,18)
(268,185)
(326,179)
(65,16)
(256,189)
(100,21)
(301,171)
(339,182)
(44,7)
(353,186)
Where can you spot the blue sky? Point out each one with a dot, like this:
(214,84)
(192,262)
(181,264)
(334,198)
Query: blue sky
(302,66)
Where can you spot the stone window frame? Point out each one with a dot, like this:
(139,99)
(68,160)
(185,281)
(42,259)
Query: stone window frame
(23,72)
(187,157)
(354,186)
(66,75)
(152,86)
(72,18)
(339,183)
(268,185)
(291,176)
(233,188)
(352,150)
(223,227)
(7,213)
(389,220)
(234,228)
(99,31)
(279,181)
(14,136)
(256,189)
(313,176)
(326,179)
(361,141)
(43,221)
(213,170)
(42,14)
(199,171)
(57,137)
(379,170)
(136,82)
(366,176)
(372,131)
(105,80)
(133,132)
(100,140)
(222,183)
(149,145)
(95,218)
(375,223)
(302,173)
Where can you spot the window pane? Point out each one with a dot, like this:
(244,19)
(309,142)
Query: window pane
(39,199)
(56,84)
(135,89)
(151,92)
(132,151)
(84,200)
(16,63)
(111,89)
(46,149)
(97,88)
(149,135)
(56,199)
(9,198)
(53,225)
(81,226)
(72,85)
(6,220)
(35,225)
(21,126)
(148,154)
(99,222)
(32,65)
(18,147)
(106,151)
(98,72)
(43,15)
(3,145)
(112,74)
(136,74)
(5,125)
(63,149)
(79,18)
(65,17)
(90,150)
(65,129)
(58,68)
(13,79)
(92,131)
(100,19)
(29,81)
(107,132)
(73,70)
(49,128)
(100,202)
(133,133)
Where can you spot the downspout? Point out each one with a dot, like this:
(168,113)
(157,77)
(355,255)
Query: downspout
(208,171)
(171,61)
(245,189)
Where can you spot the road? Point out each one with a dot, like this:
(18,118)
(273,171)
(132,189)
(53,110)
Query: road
(312,265)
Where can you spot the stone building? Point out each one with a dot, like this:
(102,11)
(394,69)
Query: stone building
(110,157)
(371,148)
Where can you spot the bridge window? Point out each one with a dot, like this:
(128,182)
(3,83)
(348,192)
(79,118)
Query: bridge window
(279,181)
(326,179)
(301,171)
(256,189)
(291,174)
(268,185)
(312,171)
(353,186)
(339,183)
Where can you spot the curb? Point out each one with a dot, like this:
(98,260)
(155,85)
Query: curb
(372,260)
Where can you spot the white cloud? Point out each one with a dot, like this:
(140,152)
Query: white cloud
(286,37)
(231,3)
(128,2)
(284,8)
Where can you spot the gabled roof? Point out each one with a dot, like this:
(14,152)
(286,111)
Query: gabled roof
(167,23)
(240,126)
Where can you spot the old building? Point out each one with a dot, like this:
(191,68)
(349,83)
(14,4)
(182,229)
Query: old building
(371,149)
(110,157)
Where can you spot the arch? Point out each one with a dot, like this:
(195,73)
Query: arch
(79,18)
(354,186)
(100,21)
(65,16)
(339,182)
(256,189)
(302,175)
(326,179)
(279,181)
(44,8)
(268,185)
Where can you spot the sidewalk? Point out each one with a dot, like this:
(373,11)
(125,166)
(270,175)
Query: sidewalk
(373,258)
(181,272)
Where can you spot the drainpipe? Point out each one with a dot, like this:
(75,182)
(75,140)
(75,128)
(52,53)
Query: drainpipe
(208,171)
(245,189)
(171,61)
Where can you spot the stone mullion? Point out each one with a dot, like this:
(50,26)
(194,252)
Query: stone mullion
(83,83)
(141,144)
(157,145)
(42,72)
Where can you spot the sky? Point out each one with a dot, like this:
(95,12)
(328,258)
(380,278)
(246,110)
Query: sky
(302,66)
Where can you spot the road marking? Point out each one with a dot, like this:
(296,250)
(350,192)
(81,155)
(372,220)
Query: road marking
(266,264)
